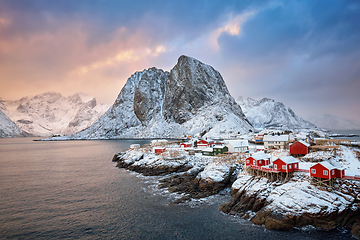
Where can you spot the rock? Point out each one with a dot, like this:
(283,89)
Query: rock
(355,230)
(295,203)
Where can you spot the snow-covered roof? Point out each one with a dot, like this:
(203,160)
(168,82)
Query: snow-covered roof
(327,165)
(281,138)
(207,150)
(260,156)
(221,147)
(302,142)
(159,148)
(238,143)
(289,159)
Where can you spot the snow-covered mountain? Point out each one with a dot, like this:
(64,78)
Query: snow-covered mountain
(267,113)
(190,99)
(332,122)
(8,128)
(51,113)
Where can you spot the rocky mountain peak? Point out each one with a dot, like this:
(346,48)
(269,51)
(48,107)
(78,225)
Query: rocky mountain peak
(194,85)
(190,99)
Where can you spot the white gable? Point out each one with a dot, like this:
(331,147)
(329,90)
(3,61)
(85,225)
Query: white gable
(276,138)
(238,143)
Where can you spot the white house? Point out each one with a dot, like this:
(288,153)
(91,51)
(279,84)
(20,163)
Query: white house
(237,145)
(133,146)
(276,142)
(159,142)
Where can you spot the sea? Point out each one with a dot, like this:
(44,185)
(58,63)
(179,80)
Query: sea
(347,132)
(72,190)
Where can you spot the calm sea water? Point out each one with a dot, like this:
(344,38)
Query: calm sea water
(357,132)
(72,190)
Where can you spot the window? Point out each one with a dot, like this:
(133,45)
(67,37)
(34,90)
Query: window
(332,172)
(259,161)
(275,166)
(290,166)
(313,171)
(325,172)
(284,167)
(248,161)
(254,162)
(296,165)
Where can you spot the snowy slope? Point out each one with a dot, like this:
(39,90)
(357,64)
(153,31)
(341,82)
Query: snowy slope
(8,128)
(329,121)
(267,113)
(51,113)
(191,99)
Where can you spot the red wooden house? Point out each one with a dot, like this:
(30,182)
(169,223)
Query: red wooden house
(326,170)
(186,145)
(205,143)
(299,148)
(286,164)
(158,150)
(258,159)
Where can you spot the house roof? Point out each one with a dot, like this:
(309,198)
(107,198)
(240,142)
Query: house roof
(289,159)
(159,148)
(221,147)
(260,156)
(281,138)
(238,143)
(302,142)
(208,150)
(327,165)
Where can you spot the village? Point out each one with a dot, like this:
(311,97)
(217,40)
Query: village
(275,155)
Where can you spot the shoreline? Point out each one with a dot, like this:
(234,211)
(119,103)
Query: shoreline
(198,181)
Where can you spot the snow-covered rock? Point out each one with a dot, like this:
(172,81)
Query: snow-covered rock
(191,99)
(8,128)
(267,113)
(51,113)
(295,203)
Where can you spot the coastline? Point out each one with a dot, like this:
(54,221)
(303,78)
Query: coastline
(198,177)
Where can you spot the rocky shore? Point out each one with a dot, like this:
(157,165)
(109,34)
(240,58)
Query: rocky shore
(295,203)
(280,205)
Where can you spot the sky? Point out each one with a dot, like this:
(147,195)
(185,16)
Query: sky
(303,53)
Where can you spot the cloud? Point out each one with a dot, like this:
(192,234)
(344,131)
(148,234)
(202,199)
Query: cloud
(232,27)
(299,52)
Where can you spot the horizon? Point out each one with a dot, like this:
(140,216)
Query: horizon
(304,54)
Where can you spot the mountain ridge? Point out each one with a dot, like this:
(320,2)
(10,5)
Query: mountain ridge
(267,113)
(191,99)
(51,113)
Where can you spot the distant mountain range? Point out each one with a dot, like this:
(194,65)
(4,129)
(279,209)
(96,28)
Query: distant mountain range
(51,113)
(267,113)
(191,99)
(332,122)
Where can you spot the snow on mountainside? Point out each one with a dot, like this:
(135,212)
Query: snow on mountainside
(191,99)
(8,128)
(267,113)
(329,121)
(51,113)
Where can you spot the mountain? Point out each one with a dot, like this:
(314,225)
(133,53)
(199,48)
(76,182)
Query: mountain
(267,113)
(51,113)
(191,99)
(332,122)
(8,128)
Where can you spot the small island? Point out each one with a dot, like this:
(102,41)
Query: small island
(276,180)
